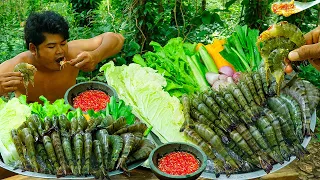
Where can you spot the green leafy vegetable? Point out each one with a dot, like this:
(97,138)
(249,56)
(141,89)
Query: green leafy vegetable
(12,114)
(171,61)
(241,50)
(143,89)
(207,59)
(58,107)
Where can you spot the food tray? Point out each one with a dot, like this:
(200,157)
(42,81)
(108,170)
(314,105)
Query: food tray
(260,173)
(49,176)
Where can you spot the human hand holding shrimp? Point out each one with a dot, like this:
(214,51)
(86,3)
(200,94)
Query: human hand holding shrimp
(9,82)
(310,51)
(84,61)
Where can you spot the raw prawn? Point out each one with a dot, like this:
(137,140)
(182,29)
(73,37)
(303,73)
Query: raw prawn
(258,85)
(142,153)
(56,141)
(274,53)
(197,116)
(235,107)
(93,123)
(87,153)
(215,142)
(26,135)
(248,96)
(28,71)
(128,141)
(277,105)
(220,167)
(78,151)
(237,94)
(265,127)
(295,113)
(299,93)
(248,80)
(185,101)
(299,150)
(68,152)
(106,121)
(50,152)
(43,154)
(38,123)
(136,127)
(116,144)
(210,102)
(247,136)
(313,95)
(97,150)
(21,150)
(116,125)
(284,150)
(102,136)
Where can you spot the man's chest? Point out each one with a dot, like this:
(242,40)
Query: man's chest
(53,86)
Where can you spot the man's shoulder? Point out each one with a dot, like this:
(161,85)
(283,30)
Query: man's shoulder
(9,64)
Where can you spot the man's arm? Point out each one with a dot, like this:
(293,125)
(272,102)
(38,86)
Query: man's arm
(91,51)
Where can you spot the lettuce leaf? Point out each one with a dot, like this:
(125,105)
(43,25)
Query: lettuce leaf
(171,61)
(143,89)
(58,107)
(12,114)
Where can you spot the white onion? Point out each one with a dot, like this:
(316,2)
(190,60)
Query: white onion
(212,77)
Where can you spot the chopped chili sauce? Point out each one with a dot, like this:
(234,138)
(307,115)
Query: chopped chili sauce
(178,163)
(91,99)
(285,9)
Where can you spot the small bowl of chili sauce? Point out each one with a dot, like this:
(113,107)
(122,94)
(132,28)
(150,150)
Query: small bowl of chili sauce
(89,95)
(177,160)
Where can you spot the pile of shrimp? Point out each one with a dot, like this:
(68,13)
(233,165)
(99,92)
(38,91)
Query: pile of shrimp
(77,147)
(247,126)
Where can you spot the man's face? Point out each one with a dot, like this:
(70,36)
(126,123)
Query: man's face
(52,51)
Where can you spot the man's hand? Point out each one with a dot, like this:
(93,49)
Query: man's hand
(84,61)
(9,82)
(310,51)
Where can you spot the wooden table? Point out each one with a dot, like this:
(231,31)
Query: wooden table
(141,173)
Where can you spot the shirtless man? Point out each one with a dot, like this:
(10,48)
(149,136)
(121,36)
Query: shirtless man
(46,36)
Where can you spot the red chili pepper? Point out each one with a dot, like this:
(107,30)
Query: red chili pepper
(178,163)
(91,99)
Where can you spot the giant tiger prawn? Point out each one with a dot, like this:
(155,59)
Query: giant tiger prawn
(260,120)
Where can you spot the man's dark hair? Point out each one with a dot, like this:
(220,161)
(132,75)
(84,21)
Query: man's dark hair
(44,22)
